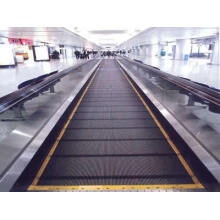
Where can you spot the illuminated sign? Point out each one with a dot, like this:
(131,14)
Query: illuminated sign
(41,53)
(20,41)
(6,55)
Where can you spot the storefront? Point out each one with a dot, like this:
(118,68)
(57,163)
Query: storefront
(22,48)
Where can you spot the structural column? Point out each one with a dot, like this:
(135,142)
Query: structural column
(143,50)
(183,47)
(216,52)
(148,50)
(137,49)
(161,46)
(133,50)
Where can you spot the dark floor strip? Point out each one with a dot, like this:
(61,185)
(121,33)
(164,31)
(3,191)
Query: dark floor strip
(52,177)
(111,128)
(109,111)
(125,139)
(117,155)
(109,119)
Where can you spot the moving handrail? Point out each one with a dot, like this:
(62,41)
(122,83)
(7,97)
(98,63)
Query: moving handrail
(212,95)
(33,89)
(35,80)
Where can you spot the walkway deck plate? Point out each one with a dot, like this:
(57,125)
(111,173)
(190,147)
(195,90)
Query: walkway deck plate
(113,141)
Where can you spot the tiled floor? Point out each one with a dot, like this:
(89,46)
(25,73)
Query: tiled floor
(195,69)
(10,78)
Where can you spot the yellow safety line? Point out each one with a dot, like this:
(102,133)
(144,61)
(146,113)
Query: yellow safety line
(182,160)
(115,187)
(46,161)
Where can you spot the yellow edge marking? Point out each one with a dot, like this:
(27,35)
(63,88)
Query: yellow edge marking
(116,187)
(46,161)
(182,160)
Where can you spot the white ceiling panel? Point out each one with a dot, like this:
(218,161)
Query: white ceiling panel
(81,37)
(167,34)
(53,35)
(106,36)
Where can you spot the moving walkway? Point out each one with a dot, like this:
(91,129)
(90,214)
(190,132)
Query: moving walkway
(112,139)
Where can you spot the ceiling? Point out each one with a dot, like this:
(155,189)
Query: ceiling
(168,34)
(53,35)
(89,38)
(106,37)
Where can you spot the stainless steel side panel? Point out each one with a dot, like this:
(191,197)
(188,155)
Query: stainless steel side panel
(206,158)
(26,138)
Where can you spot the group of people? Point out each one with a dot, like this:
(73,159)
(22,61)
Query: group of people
(85,54)
(108,54)
(111,53)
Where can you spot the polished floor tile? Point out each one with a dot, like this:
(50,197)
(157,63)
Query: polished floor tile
(12,77)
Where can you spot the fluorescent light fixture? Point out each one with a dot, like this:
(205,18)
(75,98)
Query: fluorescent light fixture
(102,35)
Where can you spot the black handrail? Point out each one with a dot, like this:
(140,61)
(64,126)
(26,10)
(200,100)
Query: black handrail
(34,88)
(210,94)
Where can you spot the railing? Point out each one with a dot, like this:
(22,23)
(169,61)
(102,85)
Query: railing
(205,92)
(25,128)
(32,88)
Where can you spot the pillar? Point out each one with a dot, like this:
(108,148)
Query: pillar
(215,59)
(149,50)
(154,50)
(143,50)
(183,47)
(160,47)
(137,49)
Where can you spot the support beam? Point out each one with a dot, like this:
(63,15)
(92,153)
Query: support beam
(215,59)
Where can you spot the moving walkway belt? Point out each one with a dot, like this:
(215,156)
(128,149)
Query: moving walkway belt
(112,140)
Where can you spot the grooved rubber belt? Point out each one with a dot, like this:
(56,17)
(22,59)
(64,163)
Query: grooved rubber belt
(113,141)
